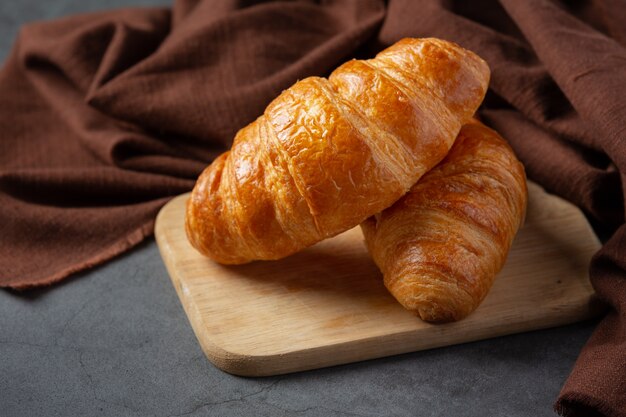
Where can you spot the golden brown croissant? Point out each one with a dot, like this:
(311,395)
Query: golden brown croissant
(441,245)
(328,153)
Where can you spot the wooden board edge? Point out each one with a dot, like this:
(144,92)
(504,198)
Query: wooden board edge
(250,365)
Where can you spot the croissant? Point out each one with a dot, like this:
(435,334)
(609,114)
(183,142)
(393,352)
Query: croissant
(328,153)
(441,245)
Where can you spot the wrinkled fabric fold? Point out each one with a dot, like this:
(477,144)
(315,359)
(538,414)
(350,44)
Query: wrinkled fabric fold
(106,116)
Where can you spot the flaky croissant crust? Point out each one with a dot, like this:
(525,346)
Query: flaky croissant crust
(441,245)
(328,153)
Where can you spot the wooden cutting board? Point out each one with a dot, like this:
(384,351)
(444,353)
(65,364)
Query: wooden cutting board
(327,305)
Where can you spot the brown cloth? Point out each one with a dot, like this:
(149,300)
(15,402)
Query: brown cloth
(104,117)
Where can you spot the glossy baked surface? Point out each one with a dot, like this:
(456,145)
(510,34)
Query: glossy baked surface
(441,245)
(328,153)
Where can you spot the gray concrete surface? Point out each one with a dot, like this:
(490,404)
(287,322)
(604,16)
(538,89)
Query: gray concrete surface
(116,342)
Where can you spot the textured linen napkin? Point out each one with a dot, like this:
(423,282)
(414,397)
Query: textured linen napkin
(106,116)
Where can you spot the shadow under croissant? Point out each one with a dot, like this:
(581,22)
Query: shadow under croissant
(349,274)
(341,266)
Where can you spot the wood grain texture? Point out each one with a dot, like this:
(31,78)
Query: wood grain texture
(327,304)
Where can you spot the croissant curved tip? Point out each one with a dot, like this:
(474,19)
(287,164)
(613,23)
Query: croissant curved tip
(436,314)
